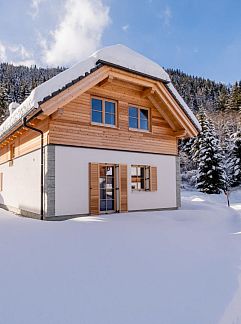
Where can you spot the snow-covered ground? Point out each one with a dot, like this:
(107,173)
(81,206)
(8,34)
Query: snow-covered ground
(172,267)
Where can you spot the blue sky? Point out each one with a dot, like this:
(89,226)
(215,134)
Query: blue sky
(201,38)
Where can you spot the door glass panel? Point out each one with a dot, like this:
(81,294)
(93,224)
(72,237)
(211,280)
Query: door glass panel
(102,193)
(110,194)
(110,204)
(109,171)
(110,181)
(107,190)
(102,205)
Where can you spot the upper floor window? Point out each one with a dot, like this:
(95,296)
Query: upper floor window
(139,118)
(103,111)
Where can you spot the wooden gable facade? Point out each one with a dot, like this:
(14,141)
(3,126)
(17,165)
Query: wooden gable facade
(66,119)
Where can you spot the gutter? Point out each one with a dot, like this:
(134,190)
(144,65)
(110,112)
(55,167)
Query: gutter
(25,124)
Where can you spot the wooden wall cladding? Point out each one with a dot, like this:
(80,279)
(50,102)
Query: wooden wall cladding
(72,126)
(25,141)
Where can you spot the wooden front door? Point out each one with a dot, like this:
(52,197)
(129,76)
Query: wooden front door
(107,188)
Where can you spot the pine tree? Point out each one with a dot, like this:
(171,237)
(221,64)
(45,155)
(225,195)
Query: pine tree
(3,103)
(234,101)
(208,155)
(234,161)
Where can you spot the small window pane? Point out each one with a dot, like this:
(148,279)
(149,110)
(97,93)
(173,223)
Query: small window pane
(109,171)
(142,184)
(102,205)
(142,172)
(109,107)
(110,204)
(110,194)
(144,114)
(134,186)
(102,193)
(133,122)
(144,124)
(97,117)
(133,171)
(110,181)
(109,119)
(133,112)
(96,104)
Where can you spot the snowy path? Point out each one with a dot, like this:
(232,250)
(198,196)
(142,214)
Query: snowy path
(174,267)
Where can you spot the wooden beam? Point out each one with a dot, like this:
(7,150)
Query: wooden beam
(148,92)
(162,112)
(177,110)
(106,81)
(41,116)
(74,91)
(131,78)
(181,133)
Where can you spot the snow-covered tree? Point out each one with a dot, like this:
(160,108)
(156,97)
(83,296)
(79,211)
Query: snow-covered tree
(3,103)
(208,155)
(234,161)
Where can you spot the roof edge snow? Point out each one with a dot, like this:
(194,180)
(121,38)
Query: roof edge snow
(119,56)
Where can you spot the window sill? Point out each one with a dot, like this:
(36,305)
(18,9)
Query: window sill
(139,130)
(104,125)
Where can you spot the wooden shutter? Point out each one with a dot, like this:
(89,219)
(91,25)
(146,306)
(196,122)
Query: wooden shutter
(1,181)
(153,178)
(123,188)
(94,189)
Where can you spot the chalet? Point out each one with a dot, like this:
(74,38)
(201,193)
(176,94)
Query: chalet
(97,138)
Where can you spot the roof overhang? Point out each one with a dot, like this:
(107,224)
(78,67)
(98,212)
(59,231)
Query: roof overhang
(157,91)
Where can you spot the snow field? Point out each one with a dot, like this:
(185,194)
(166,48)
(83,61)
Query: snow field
(171,267)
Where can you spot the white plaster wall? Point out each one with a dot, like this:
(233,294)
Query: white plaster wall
(72,184)
(21,183)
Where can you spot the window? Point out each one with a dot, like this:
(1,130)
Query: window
(140,177)
(139,118)
(103,112)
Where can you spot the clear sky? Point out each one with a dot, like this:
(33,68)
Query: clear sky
(200,37)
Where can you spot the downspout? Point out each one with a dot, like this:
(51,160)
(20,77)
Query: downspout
(24,122)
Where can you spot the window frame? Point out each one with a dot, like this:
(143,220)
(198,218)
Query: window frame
(104,100)
(146,167)
(139,129)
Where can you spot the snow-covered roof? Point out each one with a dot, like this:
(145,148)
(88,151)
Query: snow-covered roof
(118,55)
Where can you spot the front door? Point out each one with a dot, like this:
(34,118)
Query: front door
(107,188)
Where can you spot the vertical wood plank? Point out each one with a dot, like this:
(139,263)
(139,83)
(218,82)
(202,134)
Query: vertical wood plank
(123,188)
(153,171)
(94,189)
